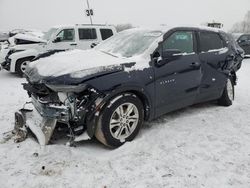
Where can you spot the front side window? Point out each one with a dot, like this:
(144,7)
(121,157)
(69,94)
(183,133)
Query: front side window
(106,33)
(87,34)
(210,41)
(180,40)
(67,35)
(244,38)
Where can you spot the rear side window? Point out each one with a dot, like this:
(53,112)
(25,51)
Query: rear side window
(87,34)
(180,40)
(210,41)
(106,33)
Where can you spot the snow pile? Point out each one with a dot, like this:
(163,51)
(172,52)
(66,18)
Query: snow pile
(29,37)
(201,146)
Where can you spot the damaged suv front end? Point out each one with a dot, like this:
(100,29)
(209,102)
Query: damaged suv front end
(72,105)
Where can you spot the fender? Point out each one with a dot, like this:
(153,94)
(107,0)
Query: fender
(137,90)
(20,55)
(3,54)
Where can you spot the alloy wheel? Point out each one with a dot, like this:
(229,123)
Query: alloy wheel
(124,121)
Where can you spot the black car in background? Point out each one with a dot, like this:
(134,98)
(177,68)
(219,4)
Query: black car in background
(135,76)
(244,41)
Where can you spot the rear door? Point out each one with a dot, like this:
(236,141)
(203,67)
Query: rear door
(213,52)
(87,36)
(177,82)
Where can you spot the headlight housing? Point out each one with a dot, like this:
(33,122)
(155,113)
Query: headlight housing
(68,88)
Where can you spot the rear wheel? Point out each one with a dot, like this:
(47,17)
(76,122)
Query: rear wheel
(120,121)
(21,65)
(228,94)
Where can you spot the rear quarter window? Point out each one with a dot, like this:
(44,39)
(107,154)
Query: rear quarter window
(210,41)
(106,33)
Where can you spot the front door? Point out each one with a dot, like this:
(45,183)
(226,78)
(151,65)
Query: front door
(65,40)
(177,82)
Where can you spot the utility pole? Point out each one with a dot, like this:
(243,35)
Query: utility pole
(89,12)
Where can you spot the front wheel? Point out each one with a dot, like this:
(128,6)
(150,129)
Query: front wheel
(120,121)
(228,94)
(21,66)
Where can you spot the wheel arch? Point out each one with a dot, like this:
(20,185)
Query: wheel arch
(23,58)
(21,55)
(137,91)
(233,76)
(140,92)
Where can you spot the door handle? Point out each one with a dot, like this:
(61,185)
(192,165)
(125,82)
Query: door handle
(73,44)
(195,65)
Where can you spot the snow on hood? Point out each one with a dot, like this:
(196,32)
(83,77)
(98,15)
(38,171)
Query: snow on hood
(73,62)
(29,37)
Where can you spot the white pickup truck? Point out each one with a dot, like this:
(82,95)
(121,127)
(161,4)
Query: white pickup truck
(19,50)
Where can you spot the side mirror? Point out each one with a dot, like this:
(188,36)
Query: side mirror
(171,54)
(57,39)
(168,56)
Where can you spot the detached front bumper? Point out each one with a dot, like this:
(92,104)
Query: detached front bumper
(41,127)
(41,120)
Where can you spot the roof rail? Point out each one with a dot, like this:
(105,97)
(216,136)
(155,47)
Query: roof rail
(94,24)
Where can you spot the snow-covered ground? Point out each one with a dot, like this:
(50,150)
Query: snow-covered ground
(201,146)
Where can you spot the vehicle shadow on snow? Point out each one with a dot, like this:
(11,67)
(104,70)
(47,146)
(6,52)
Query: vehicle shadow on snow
(8,74)
(61,139)
(175,115)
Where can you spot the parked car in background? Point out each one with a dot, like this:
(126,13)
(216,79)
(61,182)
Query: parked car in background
(23,31)
(23,48)
(4,36)
(136,76)
(244,41)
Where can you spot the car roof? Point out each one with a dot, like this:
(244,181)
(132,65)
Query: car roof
(166,28)
(85,25)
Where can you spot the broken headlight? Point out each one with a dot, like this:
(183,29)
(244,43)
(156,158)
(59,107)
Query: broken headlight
(68,88)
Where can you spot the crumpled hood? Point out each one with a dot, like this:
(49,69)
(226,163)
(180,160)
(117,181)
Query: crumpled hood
(74,65)
(28,37)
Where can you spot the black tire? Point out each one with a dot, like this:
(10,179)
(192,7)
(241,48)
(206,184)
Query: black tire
(227,98)
(19,70)
(103,131)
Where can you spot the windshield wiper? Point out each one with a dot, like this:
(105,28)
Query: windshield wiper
(109,53)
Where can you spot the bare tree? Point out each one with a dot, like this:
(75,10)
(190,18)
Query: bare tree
(243,26)
(122,27)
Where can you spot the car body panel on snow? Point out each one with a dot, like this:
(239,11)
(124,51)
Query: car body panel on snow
(153,72)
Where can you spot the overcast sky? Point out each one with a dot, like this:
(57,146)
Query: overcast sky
(42,14)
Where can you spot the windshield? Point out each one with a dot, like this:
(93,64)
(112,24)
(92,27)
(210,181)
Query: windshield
(129,43)
(47,36)
(236,36)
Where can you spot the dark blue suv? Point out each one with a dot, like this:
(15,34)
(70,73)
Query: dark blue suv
(135,76)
